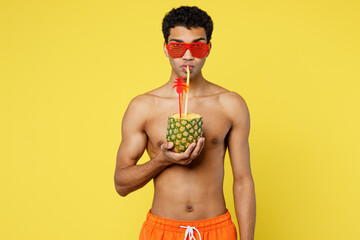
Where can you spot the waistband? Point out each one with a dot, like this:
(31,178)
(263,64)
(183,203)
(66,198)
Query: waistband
(201,225)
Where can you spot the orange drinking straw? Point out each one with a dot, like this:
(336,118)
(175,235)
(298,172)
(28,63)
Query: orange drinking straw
(188,87)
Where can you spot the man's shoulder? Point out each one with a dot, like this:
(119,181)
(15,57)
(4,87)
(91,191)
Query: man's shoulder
(233,98)
(151,96)
(140,104)
(213,89)
(144,102)
(141,99)
(138,110)
(233,104)
(227,99)
(225,94)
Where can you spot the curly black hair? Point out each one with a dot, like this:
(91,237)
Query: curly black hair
(187,17)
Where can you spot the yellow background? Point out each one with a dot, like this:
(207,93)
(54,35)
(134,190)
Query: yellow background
(68,70)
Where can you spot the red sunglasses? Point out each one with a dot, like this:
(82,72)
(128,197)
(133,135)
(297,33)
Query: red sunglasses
(177,50)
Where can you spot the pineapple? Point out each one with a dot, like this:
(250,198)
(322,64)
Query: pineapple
(184,131)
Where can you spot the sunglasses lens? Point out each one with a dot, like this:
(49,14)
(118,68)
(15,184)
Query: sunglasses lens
(176,50)
(199,50)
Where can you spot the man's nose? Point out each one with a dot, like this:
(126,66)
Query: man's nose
(187,55)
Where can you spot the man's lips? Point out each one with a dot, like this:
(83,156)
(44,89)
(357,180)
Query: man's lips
(184,67)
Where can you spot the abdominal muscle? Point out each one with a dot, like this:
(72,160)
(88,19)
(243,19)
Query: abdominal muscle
(190,193)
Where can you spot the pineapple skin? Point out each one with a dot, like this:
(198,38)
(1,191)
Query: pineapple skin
(182,132)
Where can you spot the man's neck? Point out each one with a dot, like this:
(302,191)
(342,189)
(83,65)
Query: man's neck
(197,84)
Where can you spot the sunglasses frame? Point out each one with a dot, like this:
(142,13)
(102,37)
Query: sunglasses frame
(188,46)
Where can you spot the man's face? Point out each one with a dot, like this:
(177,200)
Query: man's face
(184,35)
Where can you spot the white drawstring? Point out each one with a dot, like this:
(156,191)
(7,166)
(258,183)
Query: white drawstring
(190,232)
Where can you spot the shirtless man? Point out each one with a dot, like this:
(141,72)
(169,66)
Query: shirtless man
(188,200)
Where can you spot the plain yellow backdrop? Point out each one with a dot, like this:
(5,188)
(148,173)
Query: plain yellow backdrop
(68,70)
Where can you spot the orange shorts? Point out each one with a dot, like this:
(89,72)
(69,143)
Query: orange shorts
(157,228)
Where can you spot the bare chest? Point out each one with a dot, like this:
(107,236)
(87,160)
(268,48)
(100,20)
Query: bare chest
(215,127)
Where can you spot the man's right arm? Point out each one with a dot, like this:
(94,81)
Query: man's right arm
(128,176)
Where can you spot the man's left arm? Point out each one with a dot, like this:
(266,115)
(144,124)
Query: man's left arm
(243,188)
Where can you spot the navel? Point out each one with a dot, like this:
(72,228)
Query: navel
(189,208)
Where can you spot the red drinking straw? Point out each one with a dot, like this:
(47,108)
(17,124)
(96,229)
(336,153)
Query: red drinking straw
(180,88)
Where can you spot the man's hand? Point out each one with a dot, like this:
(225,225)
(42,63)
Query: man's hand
(182,158)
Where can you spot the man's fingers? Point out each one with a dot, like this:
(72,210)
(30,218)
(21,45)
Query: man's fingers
(166,146)
(186,157)
(202,144)
(188,151)
(199,147)
(170,145)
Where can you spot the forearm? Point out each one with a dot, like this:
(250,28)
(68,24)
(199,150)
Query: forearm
(129,179)
(245,207)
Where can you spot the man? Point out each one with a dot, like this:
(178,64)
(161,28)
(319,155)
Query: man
(188,200)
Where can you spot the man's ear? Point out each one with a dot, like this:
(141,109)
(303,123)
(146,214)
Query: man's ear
(165,50)
(209,49)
